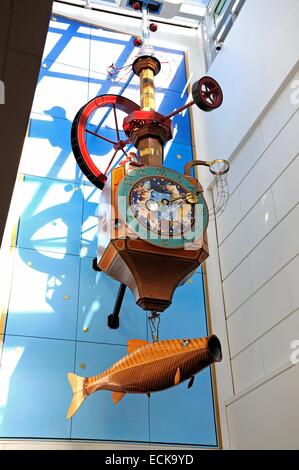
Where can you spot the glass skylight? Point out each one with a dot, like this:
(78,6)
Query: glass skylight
(192,11)
(191,2)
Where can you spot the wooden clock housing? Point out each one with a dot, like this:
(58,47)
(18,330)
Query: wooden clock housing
(151,272)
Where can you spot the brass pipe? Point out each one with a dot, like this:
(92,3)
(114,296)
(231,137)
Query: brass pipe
(150,148)
(193,163)
(147,90)
(223,171)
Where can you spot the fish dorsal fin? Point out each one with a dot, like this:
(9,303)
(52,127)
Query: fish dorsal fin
(117,396)
(134,344)
(177,377)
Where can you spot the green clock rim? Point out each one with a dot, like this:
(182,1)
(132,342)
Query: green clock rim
(126,213)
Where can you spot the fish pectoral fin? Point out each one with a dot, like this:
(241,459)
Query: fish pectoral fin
(191,382)
(134,344)
(117,396)
(177,377)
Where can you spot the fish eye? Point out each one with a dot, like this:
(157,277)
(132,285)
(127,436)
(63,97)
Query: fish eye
(185,343)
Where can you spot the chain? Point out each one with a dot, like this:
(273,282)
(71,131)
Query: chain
(154,323)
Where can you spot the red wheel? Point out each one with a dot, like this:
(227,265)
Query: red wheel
(99,119)
(207,94)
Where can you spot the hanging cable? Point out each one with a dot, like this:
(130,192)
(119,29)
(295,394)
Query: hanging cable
(154,323)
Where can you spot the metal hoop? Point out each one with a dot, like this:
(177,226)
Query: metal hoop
(219,162)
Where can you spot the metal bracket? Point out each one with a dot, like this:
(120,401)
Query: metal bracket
(95,265)
(113,318)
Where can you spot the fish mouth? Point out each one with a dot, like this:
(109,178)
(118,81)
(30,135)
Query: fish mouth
(214,348)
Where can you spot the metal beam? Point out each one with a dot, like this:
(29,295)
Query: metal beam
(224,18)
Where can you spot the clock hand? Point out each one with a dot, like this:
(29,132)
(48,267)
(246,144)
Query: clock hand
(191,198)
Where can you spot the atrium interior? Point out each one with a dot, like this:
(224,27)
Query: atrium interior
(99,94)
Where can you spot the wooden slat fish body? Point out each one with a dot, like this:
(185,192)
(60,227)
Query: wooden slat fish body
(153,367)
(150,368)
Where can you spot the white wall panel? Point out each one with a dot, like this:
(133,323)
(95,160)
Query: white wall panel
(282,151)
(233,213)
(246,157)
(292,275)
(251,230)
(237,287)
(260,313)
(243,327)
(280,112)
(279,411)
(243,417)
(248,367)
(276,345)
(276,250)
(273,302)
(267,417)
(286,190)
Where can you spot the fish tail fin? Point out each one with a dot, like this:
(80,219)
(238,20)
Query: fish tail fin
(77,384)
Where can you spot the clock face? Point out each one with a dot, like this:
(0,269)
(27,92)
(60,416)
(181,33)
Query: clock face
(161,205)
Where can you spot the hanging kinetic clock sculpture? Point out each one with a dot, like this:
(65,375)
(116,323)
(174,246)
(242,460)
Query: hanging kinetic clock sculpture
(153,220)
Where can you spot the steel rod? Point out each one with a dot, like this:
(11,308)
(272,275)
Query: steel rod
(179,110)
(100,136)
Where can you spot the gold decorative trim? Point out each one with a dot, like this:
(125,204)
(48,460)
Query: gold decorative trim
(14,235)
(3,315)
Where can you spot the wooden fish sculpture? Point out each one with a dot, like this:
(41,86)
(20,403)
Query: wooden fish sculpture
(149,367)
